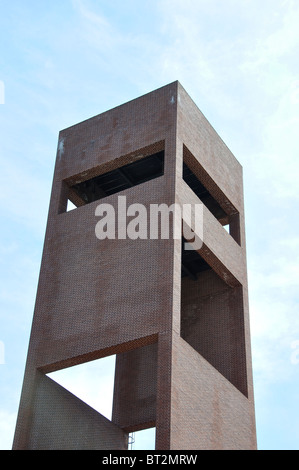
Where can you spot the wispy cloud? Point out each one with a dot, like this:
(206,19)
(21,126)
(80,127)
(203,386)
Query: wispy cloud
(97,30)
(238,60)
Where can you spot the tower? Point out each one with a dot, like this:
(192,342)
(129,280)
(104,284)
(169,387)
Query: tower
(177,319)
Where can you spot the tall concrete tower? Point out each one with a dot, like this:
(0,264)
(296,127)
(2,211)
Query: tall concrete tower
(176,319)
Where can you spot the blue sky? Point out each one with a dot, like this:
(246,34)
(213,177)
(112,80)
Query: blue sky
(64,61)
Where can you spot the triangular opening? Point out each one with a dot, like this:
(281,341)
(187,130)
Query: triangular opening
(70,206)
(92,382)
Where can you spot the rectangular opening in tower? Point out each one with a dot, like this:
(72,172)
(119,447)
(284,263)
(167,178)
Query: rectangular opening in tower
(192,263)
(120,387)
(116,180)
(143,440)
(134,405)
(229,219)
(199,189)
(212,318)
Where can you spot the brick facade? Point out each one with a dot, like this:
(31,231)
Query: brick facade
(182,345)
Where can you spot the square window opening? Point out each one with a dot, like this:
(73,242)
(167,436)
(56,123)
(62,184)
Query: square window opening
(231,223)
(114,181)
(212,318)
